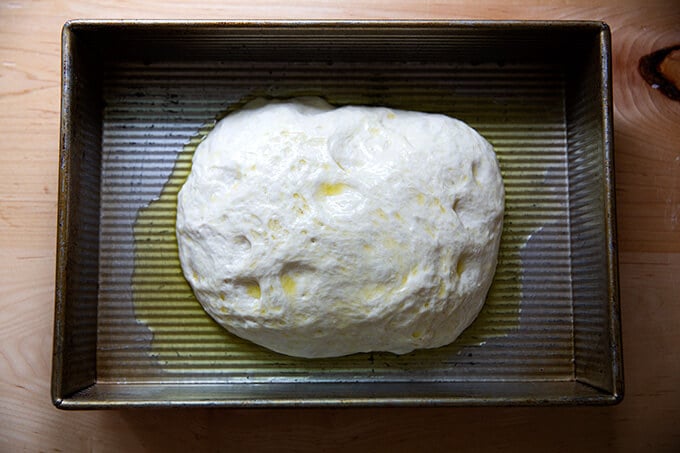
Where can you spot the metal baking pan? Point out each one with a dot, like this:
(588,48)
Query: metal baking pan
(137,96)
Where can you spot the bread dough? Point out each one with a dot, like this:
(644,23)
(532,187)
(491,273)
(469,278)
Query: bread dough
(318,231)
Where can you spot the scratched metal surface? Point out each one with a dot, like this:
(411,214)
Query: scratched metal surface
(149,331)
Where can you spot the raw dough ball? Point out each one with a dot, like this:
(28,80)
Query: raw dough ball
(319,231)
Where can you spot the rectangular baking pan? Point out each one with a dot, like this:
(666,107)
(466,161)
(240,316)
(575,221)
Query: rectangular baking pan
(138,95)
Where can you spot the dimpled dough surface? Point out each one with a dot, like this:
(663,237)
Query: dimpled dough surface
(318,231)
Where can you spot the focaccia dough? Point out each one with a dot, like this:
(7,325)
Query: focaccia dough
(318,231)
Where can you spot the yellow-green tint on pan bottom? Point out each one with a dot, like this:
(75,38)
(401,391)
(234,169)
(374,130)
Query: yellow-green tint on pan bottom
(186,340)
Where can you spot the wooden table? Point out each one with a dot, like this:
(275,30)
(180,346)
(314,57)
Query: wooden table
(647,126)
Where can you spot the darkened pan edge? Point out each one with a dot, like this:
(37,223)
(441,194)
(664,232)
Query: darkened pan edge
(75,325)
(610,206)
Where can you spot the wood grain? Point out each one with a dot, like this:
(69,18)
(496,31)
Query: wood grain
(647,138)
